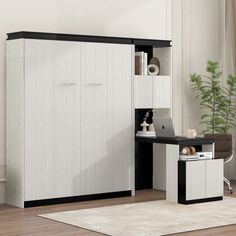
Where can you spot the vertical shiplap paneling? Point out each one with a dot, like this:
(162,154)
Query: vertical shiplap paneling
(201,43)
(159,166)
(73,119)
(66,120)
(177,65)
(94,120)
(143,98)
(169,19)
(133,121)
(214,178)
(15,122)
(59,119)
(196,180)
(161,88)
(38,106)
(119,108)
(172,157)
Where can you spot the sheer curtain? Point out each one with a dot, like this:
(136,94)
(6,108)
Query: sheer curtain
(230,64)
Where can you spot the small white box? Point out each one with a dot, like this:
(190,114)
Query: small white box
(204,155)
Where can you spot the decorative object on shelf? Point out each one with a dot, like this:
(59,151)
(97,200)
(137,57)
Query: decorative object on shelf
(138,63)
(185,151)
(144,125)
(192,150)
(155,61)
(153,70)
(151,127)
(145,63)
(147,115)
(141,61)
(144,132)
(191,133)
(188,150)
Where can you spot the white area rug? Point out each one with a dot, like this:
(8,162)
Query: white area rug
(151,218)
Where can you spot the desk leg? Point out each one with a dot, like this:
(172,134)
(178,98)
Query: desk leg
(159,166)
(172,157)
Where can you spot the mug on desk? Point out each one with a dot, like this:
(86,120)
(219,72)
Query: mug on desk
(191,133)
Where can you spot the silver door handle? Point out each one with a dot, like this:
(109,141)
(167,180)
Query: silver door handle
(95,84)
(68,84)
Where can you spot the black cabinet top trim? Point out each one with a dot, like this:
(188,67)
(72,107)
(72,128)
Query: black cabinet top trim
(87,38)
(175,140)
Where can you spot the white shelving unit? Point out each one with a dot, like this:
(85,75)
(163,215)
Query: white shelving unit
(155,91)
(152,93)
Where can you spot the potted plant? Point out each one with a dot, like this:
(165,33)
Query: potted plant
(217,101)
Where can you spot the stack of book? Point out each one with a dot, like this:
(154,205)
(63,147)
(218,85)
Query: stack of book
(141,63)
(188,157)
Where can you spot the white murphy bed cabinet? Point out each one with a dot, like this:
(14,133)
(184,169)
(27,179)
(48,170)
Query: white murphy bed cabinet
(69,119)
(71,105)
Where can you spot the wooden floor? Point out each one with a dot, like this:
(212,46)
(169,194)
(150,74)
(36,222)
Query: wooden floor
(17,222)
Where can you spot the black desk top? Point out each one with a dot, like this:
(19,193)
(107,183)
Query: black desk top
(179,140)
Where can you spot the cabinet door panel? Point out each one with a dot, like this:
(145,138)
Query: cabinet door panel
(162,92)
(119,108)
(195,180)
(38,119)
(143,97)
(66,125)
(214,178)
(94,153)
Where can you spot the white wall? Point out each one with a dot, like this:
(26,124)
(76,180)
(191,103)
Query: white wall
(196,38)
(128,18)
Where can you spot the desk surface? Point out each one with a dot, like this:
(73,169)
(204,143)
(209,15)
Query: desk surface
(175,140)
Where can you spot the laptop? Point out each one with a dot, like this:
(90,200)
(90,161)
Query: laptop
(164,127)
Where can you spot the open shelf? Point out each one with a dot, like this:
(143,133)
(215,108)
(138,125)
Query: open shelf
(146,53)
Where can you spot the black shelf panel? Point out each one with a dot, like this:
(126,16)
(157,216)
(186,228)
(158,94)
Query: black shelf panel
(87,38)
(152,42)
(175,140)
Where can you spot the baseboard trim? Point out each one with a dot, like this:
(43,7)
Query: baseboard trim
(62,200)
(186,202)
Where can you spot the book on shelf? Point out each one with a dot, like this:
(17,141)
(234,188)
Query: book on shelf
(141,61)
(145,63)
